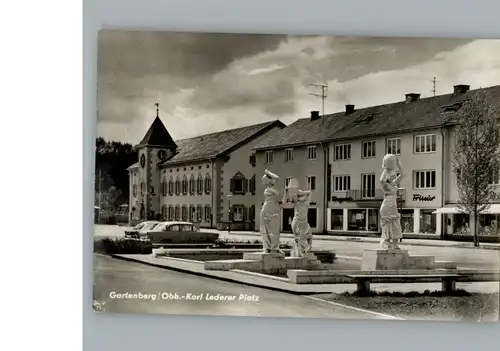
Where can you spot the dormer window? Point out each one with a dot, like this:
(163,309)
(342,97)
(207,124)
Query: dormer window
(367,118)
(452,107)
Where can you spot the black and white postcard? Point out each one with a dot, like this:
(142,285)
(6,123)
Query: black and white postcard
(297,176)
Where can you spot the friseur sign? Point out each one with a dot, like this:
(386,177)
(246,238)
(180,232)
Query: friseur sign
(418,197)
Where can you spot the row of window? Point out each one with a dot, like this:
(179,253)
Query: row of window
(200,213)
(192,213)
(422,179)
(310,154)
(423,144)
(178,187)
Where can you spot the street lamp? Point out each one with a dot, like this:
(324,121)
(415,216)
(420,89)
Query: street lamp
(229,213)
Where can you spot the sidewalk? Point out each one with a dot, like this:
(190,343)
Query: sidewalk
(410,242)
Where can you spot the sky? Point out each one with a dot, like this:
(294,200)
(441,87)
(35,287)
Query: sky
(210,82)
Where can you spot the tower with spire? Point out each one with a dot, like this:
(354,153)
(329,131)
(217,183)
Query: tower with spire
(156,146)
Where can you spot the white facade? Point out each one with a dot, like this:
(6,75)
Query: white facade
(356,192)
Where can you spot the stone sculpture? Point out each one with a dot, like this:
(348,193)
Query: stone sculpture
(270,214)
(300,227)
(390,219)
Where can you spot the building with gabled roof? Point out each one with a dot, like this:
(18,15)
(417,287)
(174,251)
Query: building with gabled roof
(208,179)
(346,164)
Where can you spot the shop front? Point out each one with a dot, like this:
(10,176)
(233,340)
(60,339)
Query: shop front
(456,222)
(287,214)
(353,220)
(419,221)
(413,220)
(418,212)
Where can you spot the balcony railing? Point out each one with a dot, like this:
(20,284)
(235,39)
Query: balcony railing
(365,195)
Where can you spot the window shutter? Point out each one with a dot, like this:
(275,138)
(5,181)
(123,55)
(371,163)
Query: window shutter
(252,185)
(231,185)
(245,213)
(245,186)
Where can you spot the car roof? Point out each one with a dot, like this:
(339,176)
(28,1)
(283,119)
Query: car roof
(175,222)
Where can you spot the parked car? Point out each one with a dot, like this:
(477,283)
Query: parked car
(141,229)
(178,232)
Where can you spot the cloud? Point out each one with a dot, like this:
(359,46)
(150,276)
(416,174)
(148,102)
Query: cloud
(475,64)
(269,69)
(210,82)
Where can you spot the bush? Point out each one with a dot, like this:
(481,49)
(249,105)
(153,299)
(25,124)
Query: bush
(110,246)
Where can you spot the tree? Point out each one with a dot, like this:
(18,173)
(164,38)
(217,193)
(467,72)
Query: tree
(476,157)
(109,198)
(112,160)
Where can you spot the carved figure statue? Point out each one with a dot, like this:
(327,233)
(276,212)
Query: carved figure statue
(300,227)
(390,219)
(270,214)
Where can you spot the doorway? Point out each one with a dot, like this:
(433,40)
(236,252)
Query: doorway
(286,220)
(312,217)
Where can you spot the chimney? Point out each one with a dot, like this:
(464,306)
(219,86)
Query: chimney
(314,115)
(411,97)
(460,89)
(349,109)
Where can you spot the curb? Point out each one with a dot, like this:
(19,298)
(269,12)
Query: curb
(360,239)
(301,294)
(384,315)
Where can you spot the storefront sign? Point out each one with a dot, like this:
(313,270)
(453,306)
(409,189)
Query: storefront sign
(418,197)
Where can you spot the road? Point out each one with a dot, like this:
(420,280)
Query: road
(465,258)
(113,276)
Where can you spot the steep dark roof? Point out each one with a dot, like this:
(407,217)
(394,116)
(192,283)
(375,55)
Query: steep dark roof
(157,135)
(426,113)
(217,144)
(398,117)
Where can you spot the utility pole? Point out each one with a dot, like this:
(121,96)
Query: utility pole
(322,96)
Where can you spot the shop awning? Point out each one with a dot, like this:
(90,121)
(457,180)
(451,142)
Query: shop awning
(493,209)
(447,210)
(451,209)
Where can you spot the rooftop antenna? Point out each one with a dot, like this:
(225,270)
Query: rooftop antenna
(322,96)
(434,86)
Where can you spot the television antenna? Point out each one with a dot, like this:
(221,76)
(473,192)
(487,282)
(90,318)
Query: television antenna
(322,96)
(434,81)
